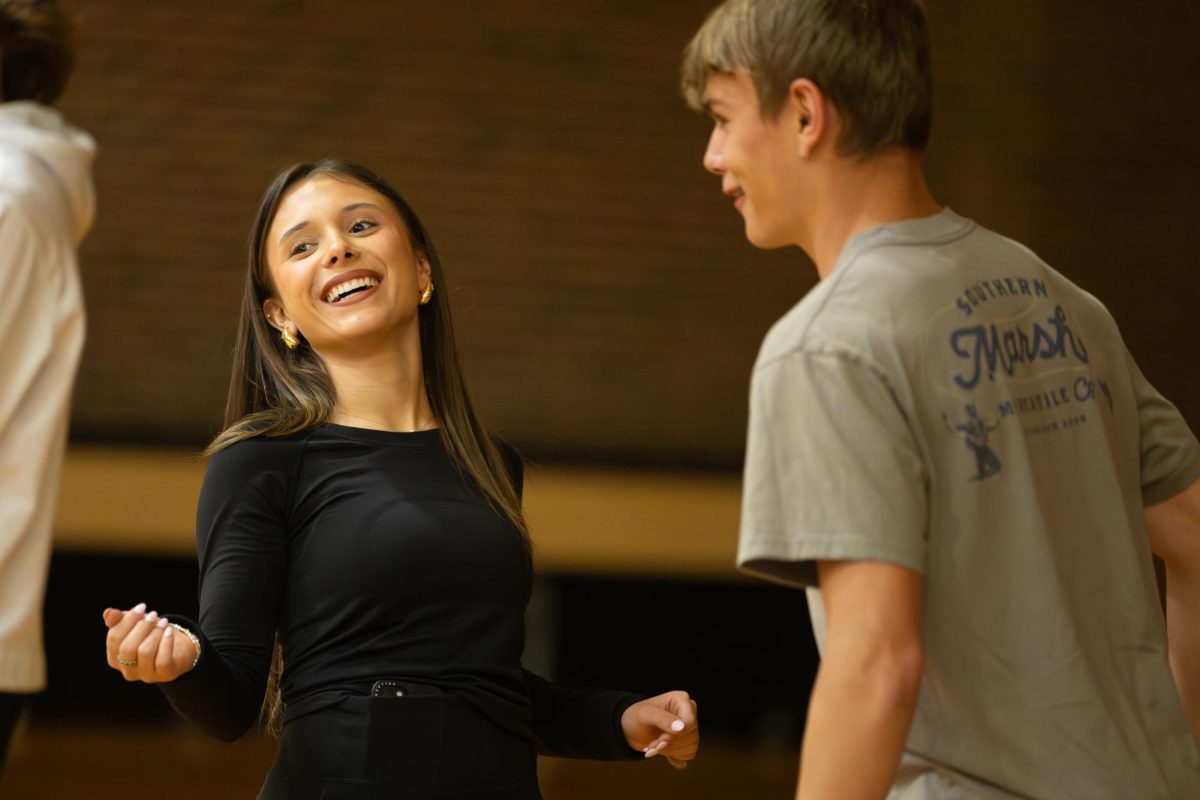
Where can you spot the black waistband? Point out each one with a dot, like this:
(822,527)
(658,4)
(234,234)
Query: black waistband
(400,687)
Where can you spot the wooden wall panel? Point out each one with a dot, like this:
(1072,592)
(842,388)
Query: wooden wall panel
(608,306)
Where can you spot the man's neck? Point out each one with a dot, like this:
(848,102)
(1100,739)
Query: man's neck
(857,196)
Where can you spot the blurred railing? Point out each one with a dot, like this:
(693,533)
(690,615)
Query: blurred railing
(584,520)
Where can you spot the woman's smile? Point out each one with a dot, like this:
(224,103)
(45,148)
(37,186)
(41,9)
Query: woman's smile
(351,287)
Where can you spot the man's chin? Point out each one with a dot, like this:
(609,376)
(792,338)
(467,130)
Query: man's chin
(763,238)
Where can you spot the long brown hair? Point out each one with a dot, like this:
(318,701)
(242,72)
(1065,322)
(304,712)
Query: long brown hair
(276,391)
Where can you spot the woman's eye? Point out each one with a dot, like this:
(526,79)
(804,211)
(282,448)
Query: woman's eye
(361,225)
(298,248)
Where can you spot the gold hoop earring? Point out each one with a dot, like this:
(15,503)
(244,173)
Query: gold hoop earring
(289,339)
(426,295)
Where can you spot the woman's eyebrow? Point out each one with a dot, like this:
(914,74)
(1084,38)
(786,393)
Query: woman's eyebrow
(292,230)
(350,207)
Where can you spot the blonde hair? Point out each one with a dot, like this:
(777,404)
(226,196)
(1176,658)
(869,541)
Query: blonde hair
(869,57)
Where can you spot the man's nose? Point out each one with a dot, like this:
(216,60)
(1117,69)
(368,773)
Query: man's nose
(714,160)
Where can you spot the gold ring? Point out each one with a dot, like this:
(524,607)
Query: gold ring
(125,662)
(676,763)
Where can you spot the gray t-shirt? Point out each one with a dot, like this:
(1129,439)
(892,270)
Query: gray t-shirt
(946,402)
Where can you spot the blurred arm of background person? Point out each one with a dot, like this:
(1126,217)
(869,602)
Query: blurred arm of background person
(866,688)
(1174,530)
(46,205)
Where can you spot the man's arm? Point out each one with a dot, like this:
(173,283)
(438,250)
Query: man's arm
(1174,530)
(866,689)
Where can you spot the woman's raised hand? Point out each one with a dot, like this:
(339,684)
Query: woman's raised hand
(144,647)
(665,725)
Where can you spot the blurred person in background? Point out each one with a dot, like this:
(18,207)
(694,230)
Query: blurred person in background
(46,205)
(357,508)
(951,440)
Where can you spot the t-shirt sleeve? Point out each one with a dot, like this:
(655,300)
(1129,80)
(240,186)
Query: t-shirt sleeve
(579,723)
(1168,451)
(241,538)
(833,471)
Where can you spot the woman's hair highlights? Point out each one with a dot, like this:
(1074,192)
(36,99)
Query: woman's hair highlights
(276,391)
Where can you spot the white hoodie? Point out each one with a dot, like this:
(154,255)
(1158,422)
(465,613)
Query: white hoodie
(47,200)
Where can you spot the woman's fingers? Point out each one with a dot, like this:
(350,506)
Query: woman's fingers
(127,621)
(176,654)
(681,746)
(125,641)
(143,646)
(666,721)
(147,650)
(117,633)
(673,718)
(164,662)
(112,616)
(684,706)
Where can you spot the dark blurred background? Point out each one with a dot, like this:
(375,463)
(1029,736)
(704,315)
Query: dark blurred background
(607,306)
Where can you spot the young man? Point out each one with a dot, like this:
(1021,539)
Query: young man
(46,203)
(950,439)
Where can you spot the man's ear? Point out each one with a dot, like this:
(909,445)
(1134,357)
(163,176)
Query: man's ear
(276,315)
(810,114)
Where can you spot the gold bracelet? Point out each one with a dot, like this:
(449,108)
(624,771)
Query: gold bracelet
(195,640)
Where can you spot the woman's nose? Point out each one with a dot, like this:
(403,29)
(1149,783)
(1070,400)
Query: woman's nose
(339,252)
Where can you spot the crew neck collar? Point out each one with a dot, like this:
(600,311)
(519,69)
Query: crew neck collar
(372,436)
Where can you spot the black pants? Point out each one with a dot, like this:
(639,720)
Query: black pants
(425,745)
(11,706)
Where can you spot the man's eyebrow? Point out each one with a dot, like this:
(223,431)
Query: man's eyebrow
(708,103)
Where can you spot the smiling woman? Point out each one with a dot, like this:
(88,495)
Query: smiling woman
(360,522)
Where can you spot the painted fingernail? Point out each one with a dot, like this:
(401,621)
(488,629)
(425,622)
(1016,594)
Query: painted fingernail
(162,622)
(168,633)
(153,615)
(139,608)
(677,725)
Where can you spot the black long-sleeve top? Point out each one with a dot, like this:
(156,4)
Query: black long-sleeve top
(373,558)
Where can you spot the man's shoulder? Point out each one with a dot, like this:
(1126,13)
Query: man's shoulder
(851,314)
(893,290)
